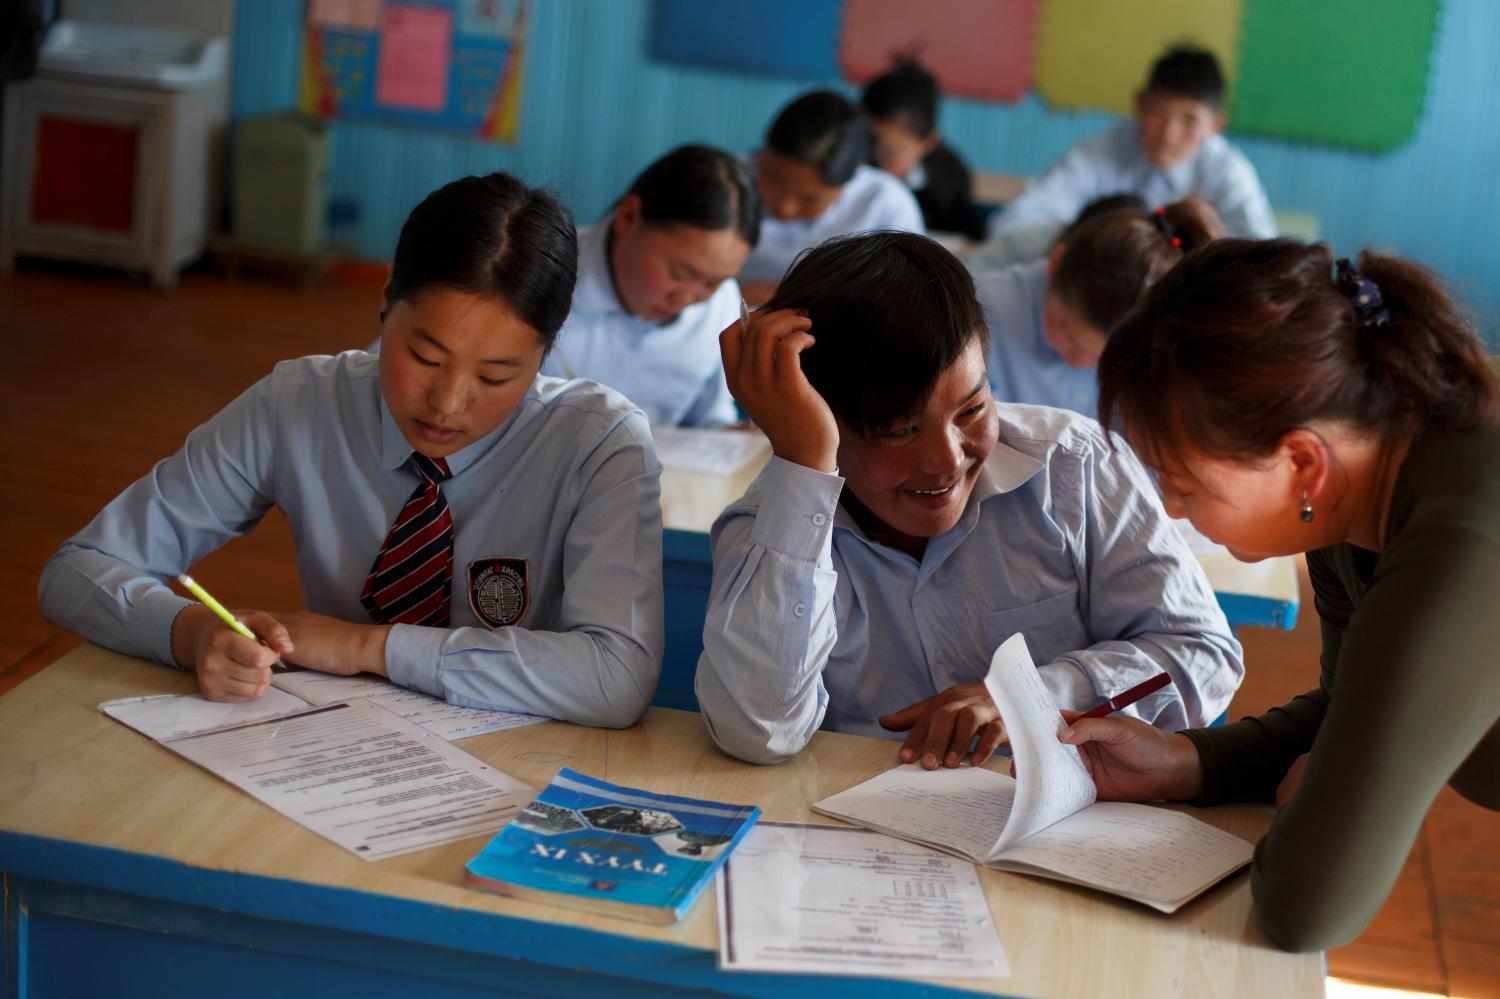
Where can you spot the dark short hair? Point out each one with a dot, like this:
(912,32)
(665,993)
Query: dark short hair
(824,131)
(891,311)
(495,237)
(908,93)
(1189,71)
(1123,202)
(1110,259)
(1246,340)
(703,187)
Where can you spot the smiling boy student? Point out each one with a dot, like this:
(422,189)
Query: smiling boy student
(907,525)
(1174,148)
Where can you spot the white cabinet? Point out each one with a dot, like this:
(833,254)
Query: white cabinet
(114,175)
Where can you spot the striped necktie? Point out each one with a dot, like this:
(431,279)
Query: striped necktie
(410,580)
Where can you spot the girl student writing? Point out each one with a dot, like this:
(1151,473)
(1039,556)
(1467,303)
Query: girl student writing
(815,184)
(907,525)
(1049,319)
(1292,403)
(462,526)
(656,285)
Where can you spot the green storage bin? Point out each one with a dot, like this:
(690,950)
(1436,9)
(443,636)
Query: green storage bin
(280,183)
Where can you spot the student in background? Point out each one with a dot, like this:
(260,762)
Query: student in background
(815,184)
(1293,404)
(464,527)
(1171,150)
(907,526)
(1049,320)
(903,108)
(656,286)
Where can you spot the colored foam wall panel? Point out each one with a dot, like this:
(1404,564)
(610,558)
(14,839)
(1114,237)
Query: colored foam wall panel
(1097,54)
(783,37)
(1342,72)
(975,48)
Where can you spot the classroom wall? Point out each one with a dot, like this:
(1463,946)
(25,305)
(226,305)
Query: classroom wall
(596,110)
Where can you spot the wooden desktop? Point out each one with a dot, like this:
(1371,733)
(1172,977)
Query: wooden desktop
(130,872)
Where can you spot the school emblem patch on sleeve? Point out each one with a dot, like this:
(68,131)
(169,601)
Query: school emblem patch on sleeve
(499,590)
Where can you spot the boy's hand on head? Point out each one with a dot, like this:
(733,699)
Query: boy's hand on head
(764,370)
(230,667)
(941,729)
(329,645)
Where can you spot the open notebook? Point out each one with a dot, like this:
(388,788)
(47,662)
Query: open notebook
(1046,823)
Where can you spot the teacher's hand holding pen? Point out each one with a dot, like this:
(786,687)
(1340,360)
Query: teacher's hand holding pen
(232,653)
(1133,761)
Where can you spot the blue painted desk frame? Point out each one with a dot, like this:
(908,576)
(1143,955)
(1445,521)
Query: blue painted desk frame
(89,921)
(687,574)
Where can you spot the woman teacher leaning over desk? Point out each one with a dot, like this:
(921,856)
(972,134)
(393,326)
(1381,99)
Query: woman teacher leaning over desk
(1293,405)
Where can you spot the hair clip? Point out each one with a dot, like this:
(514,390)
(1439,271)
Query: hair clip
(1165,227)
(1362,293)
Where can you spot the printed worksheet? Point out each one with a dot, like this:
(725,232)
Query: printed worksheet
(358,775)
(450,721)
(836,900)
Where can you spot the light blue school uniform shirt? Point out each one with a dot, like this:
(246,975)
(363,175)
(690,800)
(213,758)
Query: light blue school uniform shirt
(872,199)
(811,624)
(1112,163)
(1024,367)
(565,494)
(671,370)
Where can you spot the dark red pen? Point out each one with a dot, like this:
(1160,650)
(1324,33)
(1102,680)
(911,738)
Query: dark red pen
(1129,697)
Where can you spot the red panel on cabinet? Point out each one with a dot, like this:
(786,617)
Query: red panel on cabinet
(85,174)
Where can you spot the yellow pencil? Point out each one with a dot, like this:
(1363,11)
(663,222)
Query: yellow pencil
(191,585)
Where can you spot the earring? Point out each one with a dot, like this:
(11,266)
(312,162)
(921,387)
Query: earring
(1306,508)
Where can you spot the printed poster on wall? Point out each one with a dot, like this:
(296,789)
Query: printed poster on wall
(454,65)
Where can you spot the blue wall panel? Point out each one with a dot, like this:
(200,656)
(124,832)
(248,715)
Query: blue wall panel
(597,108)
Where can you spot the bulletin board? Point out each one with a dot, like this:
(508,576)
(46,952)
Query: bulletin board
(974,48)
(1349,73)
(1095,54)
(783,37)
(454,65)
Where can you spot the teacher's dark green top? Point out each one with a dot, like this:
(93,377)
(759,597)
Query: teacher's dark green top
(1408,700)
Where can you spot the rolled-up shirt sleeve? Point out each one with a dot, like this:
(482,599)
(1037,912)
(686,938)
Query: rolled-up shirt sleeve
(1142,585)
(771,624)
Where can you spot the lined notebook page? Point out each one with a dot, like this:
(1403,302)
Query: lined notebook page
(1153,855)
(961,810)
(1054,783)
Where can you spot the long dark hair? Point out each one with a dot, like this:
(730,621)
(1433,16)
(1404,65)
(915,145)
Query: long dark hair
(1246,340)
(1110,259)
(891,312)
(492,236)
(824,131)
(703,187)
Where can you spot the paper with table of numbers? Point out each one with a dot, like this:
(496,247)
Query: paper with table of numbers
(1048,823)
(837,900)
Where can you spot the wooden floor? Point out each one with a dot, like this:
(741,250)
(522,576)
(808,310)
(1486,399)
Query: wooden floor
(101,376)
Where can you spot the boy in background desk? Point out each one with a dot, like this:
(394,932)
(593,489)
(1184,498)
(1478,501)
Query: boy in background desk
(907,525)
(1174,148)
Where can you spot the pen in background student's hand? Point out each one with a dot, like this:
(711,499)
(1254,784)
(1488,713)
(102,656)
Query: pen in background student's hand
(744,318)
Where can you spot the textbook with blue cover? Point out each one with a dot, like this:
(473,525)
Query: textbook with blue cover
(619,851)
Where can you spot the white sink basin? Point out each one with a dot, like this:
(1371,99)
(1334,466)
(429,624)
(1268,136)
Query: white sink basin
(141,57)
